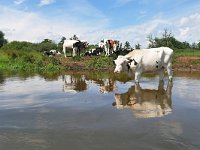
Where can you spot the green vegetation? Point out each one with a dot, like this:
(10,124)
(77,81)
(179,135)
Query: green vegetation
(194,62)
(32,61)
(169,40)
(99,62)
(186,52)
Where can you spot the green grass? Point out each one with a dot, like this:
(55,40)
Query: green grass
(33,61)
(27,61)
(186,52)
(99,62)
(195,62)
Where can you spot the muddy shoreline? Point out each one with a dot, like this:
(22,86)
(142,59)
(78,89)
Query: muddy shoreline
(183,63)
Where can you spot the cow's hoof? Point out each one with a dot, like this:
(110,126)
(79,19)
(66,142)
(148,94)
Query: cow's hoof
(136,81)
(170,78)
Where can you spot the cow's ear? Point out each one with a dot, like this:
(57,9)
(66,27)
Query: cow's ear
(135,63)
(128,60)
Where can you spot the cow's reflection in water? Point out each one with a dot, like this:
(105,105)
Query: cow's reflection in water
(74,84)
(107,85)
(146,103)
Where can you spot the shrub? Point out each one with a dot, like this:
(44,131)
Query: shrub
(99,62)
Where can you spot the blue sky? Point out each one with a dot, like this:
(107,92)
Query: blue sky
(93,20)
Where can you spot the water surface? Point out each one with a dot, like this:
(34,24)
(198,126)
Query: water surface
(99,111)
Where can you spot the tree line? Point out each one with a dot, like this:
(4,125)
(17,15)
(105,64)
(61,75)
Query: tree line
(167,39)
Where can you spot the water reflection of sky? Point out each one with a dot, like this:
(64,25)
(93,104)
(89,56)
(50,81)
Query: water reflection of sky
(40,112)
(37,92)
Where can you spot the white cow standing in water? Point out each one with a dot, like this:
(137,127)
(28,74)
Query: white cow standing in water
(139,61)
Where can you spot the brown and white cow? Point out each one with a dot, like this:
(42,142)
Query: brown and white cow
(109,46)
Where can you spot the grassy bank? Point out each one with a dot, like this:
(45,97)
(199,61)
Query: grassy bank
(186,52)
(186,58)
(34,61)
(28,61)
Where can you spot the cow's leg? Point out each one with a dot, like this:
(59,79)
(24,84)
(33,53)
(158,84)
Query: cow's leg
(169,70)
(106,50)
(64,51)
(74,52)
(161,74)
(137,76)
(169,89)
(79,51)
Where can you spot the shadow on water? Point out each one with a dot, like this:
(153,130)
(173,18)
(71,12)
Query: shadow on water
(146,103)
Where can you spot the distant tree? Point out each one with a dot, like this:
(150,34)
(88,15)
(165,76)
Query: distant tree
(137,46)
(194,45)
(2,39)
(62,40)
(198,45)
(127,45)
(166,38)
(186,45)
(151,41)
(60,44)
(46,45)
(47,41)
(74,37)
(120,46)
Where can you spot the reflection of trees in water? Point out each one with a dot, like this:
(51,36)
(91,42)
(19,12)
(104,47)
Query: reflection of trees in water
(146,103)
(77,82)
(105,81)
(2,78)
(74,84)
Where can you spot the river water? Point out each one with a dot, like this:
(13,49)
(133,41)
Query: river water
(99,111)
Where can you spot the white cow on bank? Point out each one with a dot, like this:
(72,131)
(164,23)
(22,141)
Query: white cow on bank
(68,44)
(139,61)
(75,45)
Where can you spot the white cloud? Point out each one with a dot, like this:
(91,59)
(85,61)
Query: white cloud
(31,26)
(18,2)
(46,2)
(188,28)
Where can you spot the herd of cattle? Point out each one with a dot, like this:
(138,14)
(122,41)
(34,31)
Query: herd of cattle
(137,61)
(76,46)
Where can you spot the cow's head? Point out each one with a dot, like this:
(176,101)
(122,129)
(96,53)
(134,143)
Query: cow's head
(124,64)
(101,44)
(85,44)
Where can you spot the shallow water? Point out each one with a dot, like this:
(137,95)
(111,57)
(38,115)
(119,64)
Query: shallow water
(99,111)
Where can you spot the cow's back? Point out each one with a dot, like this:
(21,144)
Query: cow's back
(69,43)
(168,52)
(149,60)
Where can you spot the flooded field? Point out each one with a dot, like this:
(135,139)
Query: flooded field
(96,111)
